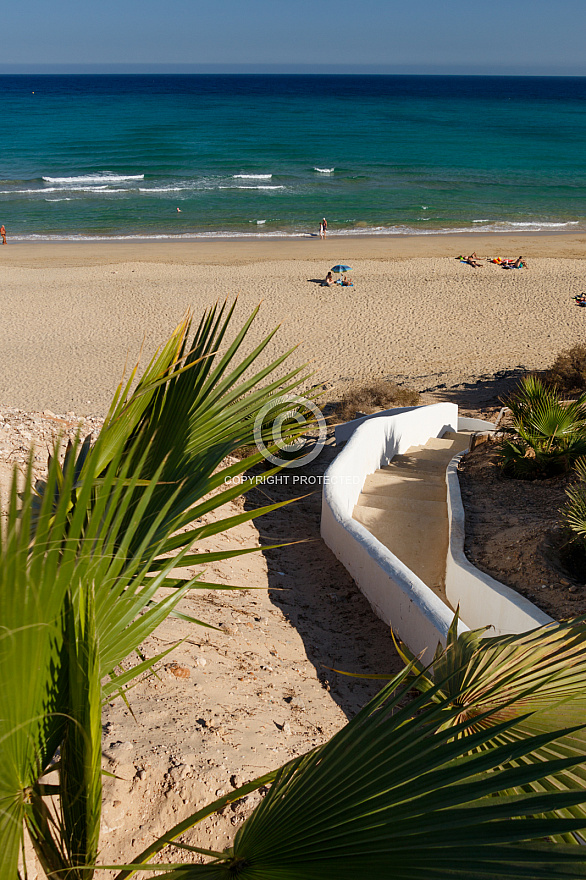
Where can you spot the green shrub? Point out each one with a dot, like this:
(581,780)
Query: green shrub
(574,513)
(547,435)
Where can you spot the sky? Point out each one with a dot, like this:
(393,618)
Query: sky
(525,37)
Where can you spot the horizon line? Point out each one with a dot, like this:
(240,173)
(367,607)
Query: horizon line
(56,68)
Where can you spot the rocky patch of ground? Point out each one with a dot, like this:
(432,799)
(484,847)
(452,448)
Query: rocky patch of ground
(514,533)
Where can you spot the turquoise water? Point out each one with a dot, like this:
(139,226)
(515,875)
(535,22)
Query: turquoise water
(116,156)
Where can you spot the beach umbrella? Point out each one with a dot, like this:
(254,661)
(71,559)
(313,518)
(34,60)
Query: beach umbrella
(340,268)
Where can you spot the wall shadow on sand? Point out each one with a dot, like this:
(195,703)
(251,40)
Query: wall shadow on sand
(315,592)
(486,392)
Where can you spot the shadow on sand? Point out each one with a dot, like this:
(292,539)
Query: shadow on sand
(488,391)
(315,592)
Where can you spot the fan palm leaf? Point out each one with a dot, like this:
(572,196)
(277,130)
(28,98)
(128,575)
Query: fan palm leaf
(56,646)
(31,645)
(574,513)
(535,679)
(398,793)
(94,604)
(549,434)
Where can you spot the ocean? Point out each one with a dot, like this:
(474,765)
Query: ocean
(190,156)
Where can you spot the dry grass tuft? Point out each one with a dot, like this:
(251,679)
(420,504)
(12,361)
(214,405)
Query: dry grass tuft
(373,396)
(568,373)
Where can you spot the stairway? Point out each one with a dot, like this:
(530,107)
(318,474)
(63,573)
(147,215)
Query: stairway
(404,506)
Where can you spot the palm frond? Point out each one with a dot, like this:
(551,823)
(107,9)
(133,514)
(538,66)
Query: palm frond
(190,410)
(549,434)
(397,793)
(82,559)
(33,704)
(535,679)
(574,513)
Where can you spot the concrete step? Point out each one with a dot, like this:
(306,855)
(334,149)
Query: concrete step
(451,440)
(413,450)
(388,477)
(418,490)
(439,443)
(461,439)
(419,540)
(403,504)
(418,464)
(441,456)
(406,469)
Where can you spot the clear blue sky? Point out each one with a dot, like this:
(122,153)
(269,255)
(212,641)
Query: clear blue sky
(413,36)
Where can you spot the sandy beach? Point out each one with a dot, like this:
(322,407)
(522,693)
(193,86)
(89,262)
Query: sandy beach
(74,312)
(234,702)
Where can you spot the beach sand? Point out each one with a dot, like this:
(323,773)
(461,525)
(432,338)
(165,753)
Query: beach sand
(74,312)
(231,703)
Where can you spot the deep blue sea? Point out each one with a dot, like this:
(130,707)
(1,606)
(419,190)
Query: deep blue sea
(230,155)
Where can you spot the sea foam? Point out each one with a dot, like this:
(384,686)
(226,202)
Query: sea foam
(100,177)
(97,190)
(251,187)
(161,189)
(536,224)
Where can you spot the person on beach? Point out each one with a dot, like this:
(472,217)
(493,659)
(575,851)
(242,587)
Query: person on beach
(471,259)
(329,280)
(518,264)
(3,234)
(323,228)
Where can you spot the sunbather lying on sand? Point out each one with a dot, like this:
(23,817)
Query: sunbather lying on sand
(472,260)
(519,263)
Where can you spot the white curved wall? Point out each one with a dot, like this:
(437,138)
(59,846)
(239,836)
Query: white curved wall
(482,599)
(397,595)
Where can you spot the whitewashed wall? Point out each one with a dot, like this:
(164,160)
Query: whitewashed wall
(396,594)
(482,599)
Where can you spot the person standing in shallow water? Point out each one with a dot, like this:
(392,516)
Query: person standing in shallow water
(3,234)
(324,227)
